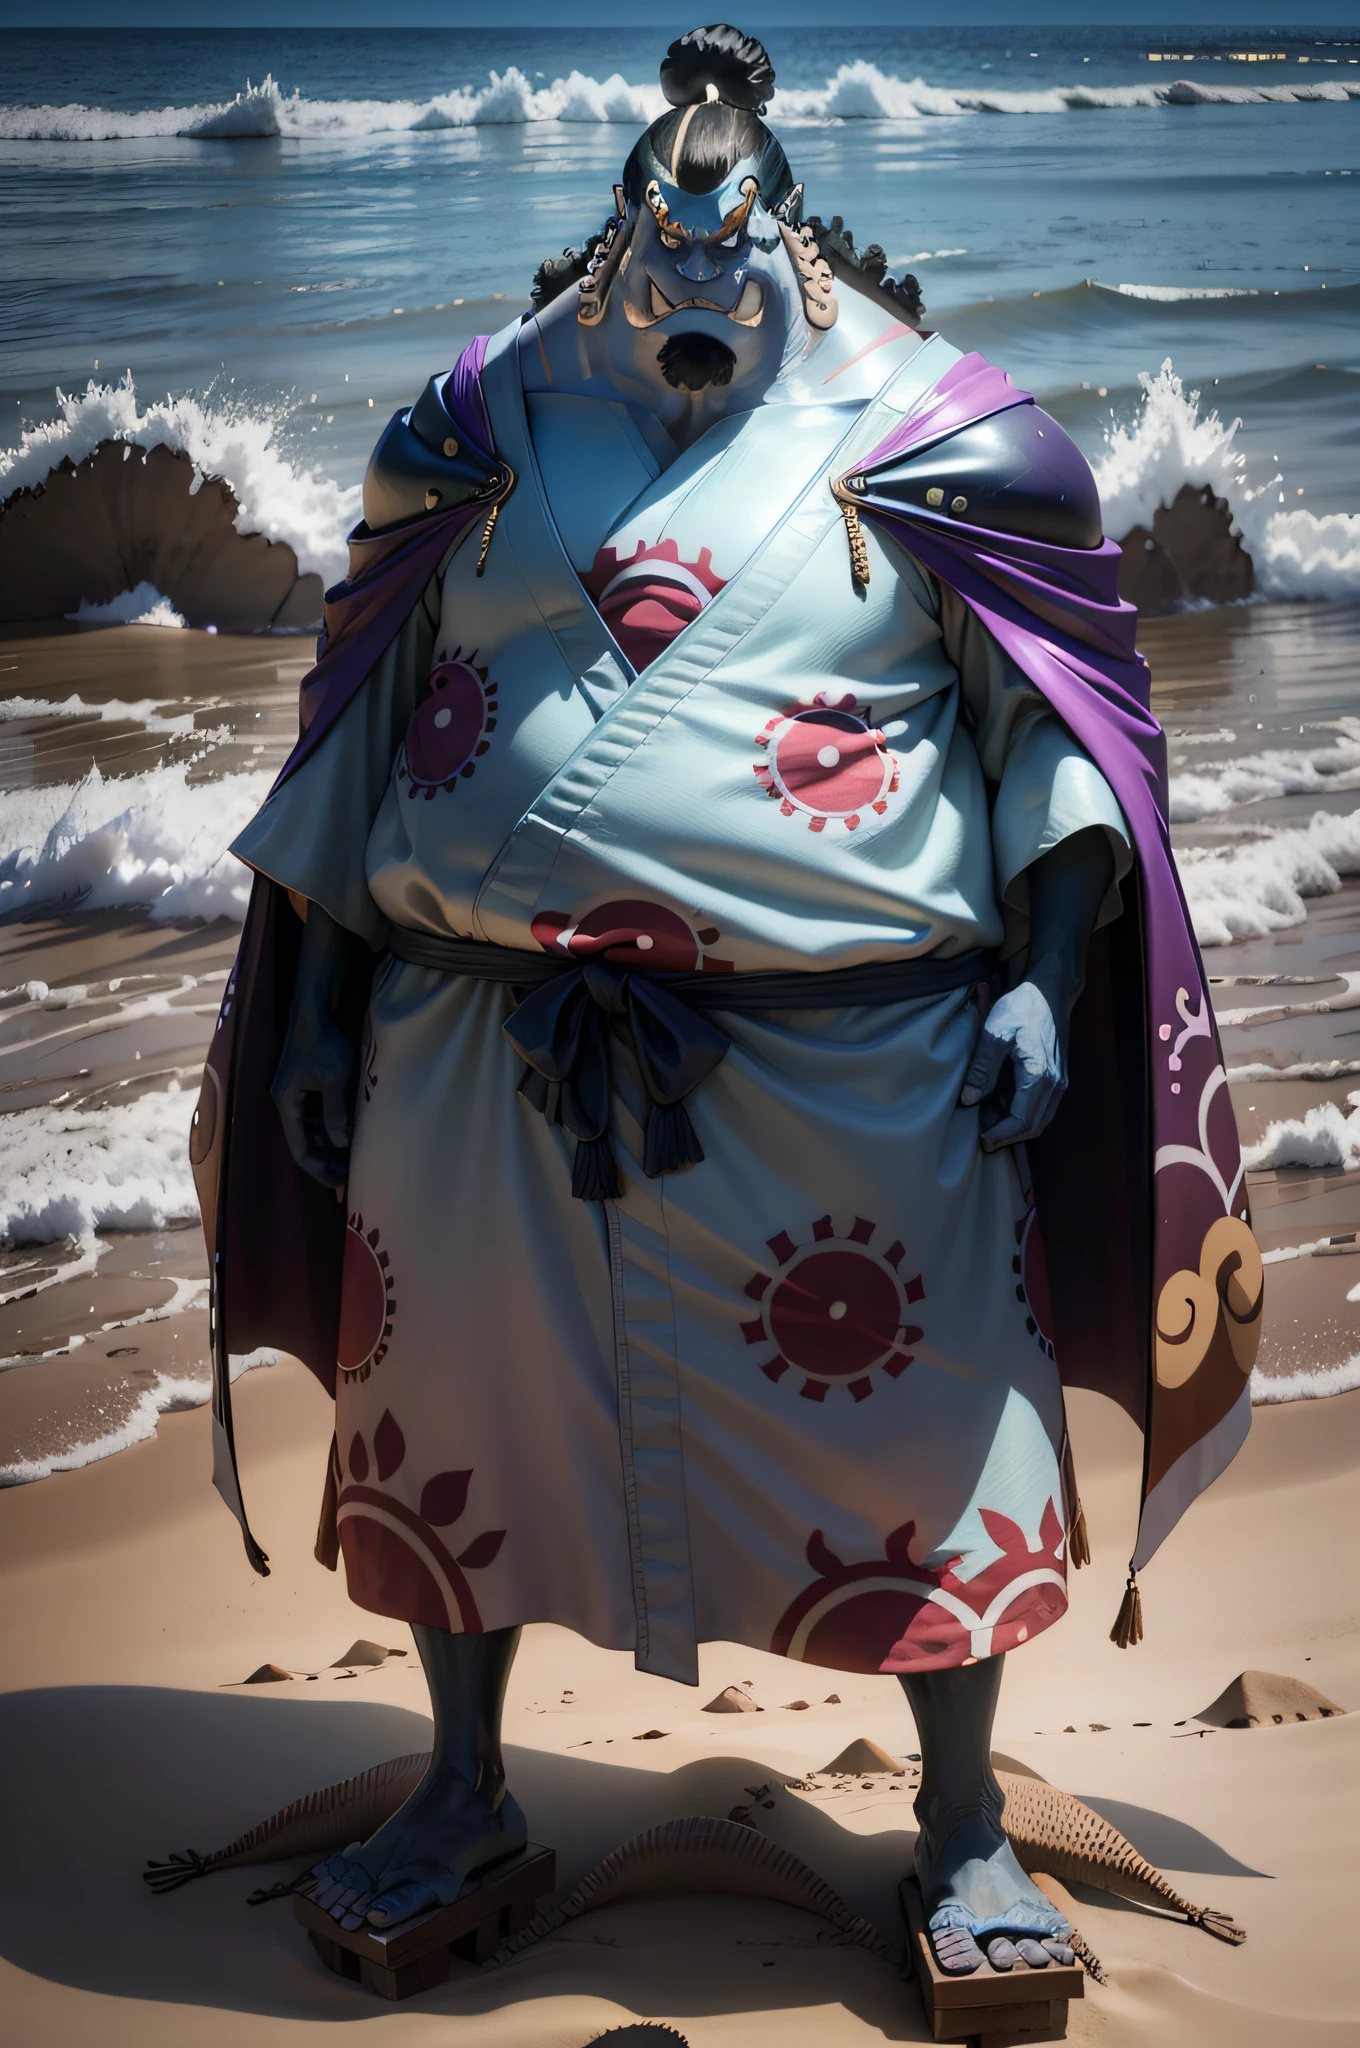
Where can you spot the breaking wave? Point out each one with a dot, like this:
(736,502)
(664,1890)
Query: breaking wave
(1246,891)
(153,841)
(1276,772)
(70,1172)
(223,438)
(857,92)
(143,605)
(1170,443)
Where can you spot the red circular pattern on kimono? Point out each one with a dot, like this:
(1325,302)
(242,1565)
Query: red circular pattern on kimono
(892,1614)
(629,933)
(835,1310)
(836,1314)
(830,761)
(365,1312)
(448,732)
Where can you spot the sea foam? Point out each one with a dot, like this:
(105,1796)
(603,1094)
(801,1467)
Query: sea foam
(1257,886)
(858,91)
(153,840)
(167,1395)
(1275,772)
(143,605)
(1323,1136)
(222,438)
(1312,1383)
(72,1171)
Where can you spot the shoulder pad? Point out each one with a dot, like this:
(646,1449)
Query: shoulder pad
(419,466)
(1015,472)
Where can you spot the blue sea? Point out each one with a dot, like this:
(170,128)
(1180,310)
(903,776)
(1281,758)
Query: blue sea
(279,227)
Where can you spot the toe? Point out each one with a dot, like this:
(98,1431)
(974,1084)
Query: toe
(956,1952)
(1060,1951)
(1033,1953)
(1002,1953)
(401,1903)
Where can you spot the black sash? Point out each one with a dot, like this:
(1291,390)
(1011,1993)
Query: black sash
(561,1029)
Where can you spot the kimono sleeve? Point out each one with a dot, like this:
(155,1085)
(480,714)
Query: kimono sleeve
(1043,785)
(311,833)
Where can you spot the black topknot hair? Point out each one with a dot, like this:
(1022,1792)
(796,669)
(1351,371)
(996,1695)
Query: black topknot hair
(735,65)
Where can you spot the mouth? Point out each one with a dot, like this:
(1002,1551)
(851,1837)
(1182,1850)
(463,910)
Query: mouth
(691,362)
(748,311)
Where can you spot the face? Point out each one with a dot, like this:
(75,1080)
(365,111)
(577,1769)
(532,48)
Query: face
(704,310)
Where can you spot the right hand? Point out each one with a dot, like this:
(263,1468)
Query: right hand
(314,1092)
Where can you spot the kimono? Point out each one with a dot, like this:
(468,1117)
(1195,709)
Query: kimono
(738,712)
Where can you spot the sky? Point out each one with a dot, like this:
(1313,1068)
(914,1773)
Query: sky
(1030,14)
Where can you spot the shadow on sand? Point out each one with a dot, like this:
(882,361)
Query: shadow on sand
(104,1777)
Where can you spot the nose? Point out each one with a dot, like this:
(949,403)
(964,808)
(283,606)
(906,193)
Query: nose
(697,265)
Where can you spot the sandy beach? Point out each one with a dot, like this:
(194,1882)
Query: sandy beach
(130,1616)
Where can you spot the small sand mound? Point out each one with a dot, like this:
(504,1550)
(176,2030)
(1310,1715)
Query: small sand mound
(1263,1699)
(861,1757)
(362,1652)
(268,1674)
(731,1700)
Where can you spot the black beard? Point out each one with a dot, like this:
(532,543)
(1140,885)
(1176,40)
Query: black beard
(691,362)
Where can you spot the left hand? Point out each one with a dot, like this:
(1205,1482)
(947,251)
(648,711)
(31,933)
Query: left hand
(1019,1069)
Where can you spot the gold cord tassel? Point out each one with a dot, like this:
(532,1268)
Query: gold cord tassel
(859,551)
(487,532)
(1078,1543)
(1128,1625)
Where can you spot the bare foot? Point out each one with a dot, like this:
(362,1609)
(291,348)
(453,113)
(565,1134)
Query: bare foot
(978,1900)
(423,1856)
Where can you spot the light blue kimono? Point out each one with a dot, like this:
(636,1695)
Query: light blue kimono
(800,1395)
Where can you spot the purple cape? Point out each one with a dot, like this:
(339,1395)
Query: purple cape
(1154,1275)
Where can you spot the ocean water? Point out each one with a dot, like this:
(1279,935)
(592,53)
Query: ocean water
(283,226)
(252,246)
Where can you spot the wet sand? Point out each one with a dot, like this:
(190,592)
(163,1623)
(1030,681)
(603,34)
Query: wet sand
(130,1615)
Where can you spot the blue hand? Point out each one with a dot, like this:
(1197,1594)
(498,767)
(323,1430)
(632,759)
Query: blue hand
(1021,1030)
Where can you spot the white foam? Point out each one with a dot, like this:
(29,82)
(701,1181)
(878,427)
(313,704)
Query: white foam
(147,712)
(507,99)
(1169,444)
(38,1274)
(70,1172)
(1278,771)
(1323,1136)
(858,91)
(1300,1070)
(152,840)
(1313,1383)
(1169,294)
(276,497)
(143,605)
(167,1396)
(1251,888)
